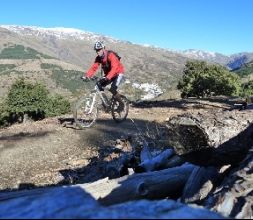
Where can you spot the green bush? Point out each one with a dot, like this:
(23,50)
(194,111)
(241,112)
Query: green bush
(57,105)
(4,114)
(245,70)
(33,101)
(26,98)
(203,80)
(247,89)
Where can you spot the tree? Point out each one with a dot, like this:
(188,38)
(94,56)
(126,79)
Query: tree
(247,89)
(203,80)
(27,99)
(32,100)
(4,114)
(57,105)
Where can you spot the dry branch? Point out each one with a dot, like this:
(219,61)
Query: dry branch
(153,185)
(164,160)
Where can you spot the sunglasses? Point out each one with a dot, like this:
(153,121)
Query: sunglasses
(98,50)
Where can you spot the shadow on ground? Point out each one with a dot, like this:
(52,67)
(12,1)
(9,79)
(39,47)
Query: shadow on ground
(23,135)
(187,103)
(104,137)
(6,140)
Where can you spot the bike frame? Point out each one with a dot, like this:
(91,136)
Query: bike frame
(96,93)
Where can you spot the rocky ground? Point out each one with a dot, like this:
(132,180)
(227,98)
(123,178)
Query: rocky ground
(53,152)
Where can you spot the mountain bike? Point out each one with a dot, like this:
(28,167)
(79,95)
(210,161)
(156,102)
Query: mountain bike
(86,109)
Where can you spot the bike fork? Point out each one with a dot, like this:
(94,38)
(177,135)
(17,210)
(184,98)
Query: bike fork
(92,103)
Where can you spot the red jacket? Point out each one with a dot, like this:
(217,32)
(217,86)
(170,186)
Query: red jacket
(111,67)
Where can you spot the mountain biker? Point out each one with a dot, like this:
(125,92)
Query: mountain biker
(112,68)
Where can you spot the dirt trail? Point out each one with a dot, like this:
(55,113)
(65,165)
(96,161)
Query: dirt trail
(46,152)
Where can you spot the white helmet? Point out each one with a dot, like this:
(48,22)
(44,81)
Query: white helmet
(99,45)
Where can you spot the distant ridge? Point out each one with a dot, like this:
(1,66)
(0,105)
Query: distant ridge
(143,63)
(77,34)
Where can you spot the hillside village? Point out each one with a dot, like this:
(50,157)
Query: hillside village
(51,159)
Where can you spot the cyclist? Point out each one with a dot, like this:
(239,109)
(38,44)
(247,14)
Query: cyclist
(112,68)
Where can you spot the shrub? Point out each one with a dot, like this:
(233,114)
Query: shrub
(247,89)
(57,105)
(26,98)
(4,114)
(245,70)
(203,80)
(32,100)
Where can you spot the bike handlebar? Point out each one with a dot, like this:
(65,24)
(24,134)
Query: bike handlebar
(86,79)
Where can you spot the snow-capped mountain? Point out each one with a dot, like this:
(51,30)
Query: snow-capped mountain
(58,32)
(72,33)
(207,56)
(200,54)
(232,62)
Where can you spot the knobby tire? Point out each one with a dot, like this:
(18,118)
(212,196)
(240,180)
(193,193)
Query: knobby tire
(82,117)
(119,114)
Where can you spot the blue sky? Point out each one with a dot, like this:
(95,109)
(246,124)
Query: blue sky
(223,26)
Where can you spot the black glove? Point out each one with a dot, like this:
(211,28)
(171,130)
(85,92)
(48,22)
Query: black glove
(85,78)
(103,81)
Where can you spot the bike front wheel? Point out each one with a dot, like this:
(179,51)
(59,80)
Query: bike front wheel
(120,109)
(85,111)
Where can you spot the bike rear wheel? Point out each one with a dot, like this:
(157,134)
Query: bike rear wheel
(120,109)
(85,111)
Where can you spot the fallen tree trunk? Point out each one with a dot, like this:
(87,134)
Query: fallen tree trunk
(212,140)
(145,153)
(164,160)
(153,185)
(115,161)
(234,197)
(199,184)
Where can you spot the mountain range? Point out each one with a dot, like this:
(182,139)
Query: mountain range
(73,49)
